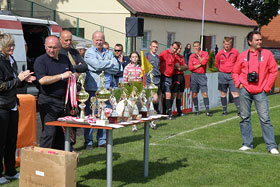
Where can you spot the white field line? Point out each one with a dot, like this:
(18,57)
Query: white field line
(205,126)
(216,149)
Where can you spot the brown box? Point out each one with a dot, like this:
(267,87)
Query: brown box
(47,167)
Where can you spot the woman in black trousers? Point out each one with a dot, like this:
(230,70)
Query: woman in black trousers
(9,81)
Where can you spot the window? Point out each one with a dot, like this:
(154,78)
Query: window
(146,39)
(234,42)
(74,31)
(170,38)
(213,43)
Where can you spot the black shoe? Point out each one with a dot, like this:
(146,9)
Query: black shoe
(103,145)
(209,114)
(224,113)
(197,113)
(88,147)
(179,115)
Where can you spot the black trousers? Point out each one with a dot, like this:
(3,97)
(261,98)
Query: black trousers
(8,140)
(50,109)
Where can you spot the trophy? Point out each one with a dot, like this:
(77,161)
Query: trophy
(82,96)
(93,105)
(143,101)
(113,118)
(152,89)
(134,98)
(102,96)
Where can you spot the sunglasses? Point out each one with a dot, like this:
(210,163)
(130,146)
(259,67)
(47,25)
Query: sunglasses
(117,50)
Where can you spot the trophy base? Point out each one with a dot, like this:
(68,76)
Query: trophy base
(144,114)
(113,120)
(102,122)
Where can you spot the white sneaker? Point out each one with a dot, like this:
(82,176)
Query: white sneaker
(244,148)
(153,125)
(134,128)
(3,180)
(16,176)
(274,151)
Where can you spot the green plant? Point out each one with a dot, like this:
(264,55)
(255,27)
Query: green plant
(211,63)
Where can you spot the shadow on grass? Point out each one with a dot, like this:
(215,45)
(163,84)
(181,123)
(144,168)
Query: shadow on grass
(259,140)
(132,171)
(96,158)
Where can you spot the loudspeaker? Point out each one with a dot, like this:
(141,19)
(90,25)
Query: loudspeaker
(134,26)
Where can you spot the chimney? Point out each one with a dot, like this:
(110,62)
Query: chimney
(179,5)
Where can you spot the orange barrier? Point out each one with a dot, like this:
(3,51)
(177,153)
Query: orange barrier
(27,123)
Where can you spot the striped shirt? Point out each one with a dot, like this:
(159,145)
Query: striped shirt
(133,71)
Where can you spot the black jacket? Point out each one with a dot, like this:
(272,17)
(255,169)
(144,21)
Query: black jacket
(8,83)
(77,58)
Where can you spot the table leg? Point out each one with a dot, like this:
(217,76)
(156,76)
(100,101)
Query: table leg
(67,139)
(146,149)
(109,149)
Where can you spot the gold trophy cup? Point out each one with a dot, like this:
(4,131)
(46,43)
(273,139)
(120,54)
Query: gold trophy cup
(102,96)
(82,97)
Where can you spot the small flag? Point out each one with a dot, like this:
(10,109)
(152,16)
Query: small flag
(146,65)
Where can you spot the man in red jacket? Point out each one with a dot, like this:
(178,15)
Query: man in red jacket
(254,73)
(197,65)
(224,61)
(178,79)
(166,66)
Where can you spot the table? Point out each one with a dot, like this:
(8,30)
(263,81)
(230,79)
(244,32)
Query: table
(109,142)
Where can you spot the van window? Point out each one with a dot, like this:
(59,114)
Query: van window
(34,36)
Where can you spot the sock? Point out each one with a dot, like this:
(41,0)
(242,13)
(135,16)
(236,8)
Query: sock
(156,107)
(224,103)
(164,106)
(169,106)
(206,103)
(195,103)
(178,105)
(236,101)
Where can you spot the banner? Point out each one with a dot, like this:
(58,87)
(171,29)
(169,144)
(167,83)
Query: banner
(26,124)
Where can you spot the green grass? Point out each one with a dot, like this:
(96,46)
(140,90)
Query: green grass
(203,157)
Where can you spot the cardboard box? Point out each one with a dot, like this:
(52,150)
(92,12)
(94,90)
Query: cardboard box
(47,167)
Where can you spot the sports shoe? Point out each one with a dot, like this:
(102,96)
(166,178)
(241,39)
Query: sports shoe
(224,113)
(209,114)
(16,176)
(88,147)
(134,128)
(3,180)
(197,113)
(274,151)
(153,125)
(244,148)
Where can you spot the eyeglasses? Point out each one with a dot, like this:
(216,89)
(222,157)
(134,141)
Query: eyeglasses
(116,50)
(52,47)
(10,46)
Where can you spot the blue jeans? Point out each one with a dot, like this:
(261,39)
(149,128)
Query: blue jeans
(101,133)
(261,104)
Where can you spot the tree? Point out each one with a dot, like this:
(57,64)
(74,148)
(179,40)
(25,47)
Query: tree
(262,11)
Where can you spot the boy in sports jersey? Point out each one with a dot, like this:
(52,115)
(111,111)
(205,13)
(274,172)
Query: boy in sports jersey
(178,79)
(224,61)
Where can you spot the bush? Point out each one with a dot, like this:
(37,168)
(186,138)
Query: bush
(211,63)
(278,62)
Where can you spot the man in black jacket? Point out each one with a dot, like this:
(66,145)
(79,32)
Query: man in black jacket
(75,58)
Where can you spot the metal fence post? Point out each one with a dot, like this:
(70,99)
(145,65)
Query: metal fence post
(78,27)
(32,9)
(54,15)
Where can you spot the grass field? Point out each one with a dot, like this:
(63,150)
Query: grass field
(188,151)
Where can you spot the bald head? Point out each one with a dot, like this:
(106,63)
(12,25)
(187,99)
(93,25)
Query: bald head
(65,39)
(98,39)
(52,46)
